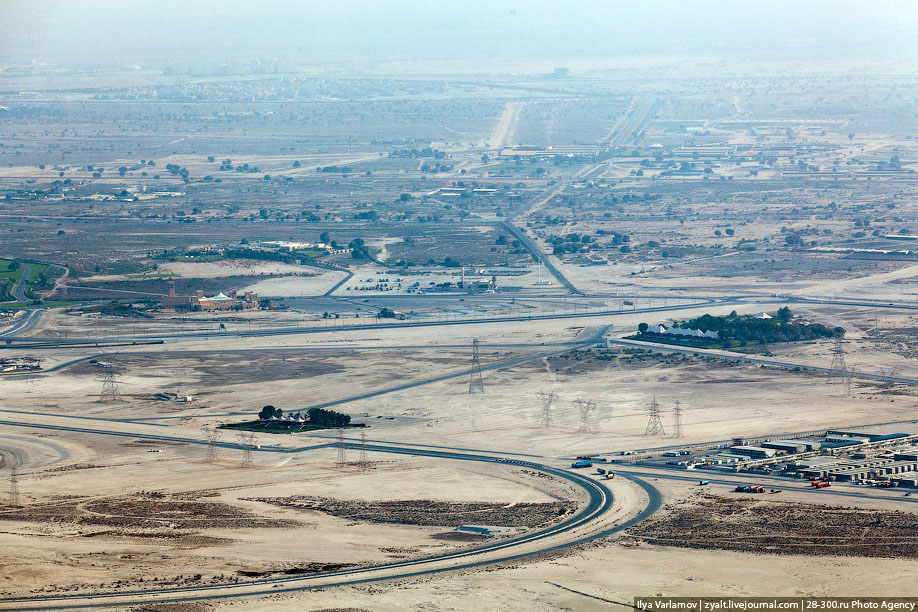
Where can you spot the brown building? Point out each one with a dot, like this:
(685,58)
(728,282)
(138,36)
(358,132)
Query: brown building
(199,302)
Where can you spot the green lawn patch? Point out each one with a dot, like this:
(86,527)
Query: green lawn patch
(260,427)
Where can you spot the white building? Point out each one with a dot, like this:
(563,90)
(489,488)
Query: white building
(687,333)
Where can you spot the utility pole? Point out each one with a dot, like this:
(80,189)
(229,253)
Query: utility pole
(547,400)
(342,451)
(677,420)
(839,369)
(585,408)
(109,384)
(248,441)
(362,461)
(654,424)
(211,435)
(14,486)
(476,384)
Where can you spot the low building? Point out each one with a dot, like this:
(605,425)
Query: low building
(753,452)
(686,333)
(786,446)
(200,302)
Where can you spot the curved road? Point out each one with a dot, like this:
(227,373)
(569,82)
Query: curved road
(18,290)
(23,325)
(600,501)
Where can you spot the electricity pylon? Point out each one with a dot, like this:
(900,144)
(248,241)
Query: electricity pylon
(654,423)
(476,384)
(547,400)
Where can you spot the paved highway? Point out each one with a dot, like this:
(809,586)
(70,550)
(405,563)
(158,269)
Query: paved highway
(24,324)
(774,363)
(533,248)
(599,502)
(19,290)
(36,341)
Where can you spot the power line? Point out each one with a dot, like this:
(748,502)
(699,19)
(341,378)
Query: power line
(248,441)
(586,408)
(362,461)
(342,451)
(547,400)
(654,423)
(839,369)
(677,420)
(476,384)
(211,436)
(14,486)
(109,384)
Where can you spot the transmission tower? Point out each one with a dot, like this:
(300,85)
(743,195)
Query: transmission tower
(654,423)
(547,400)
(838,371)
(248,441)
(362,461)
(586,408)
(109,384)
(476,384)
(211,436)
(677,420)
(14,486)
(342,451)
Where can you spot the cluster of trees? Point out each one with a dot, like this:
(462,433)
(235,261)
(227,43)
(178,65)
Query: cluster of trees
(746,328)
(176,170)
(436,168)
(503,240)
(227,165)
(571,243)
(270,411)
(360,250)
(328,418)
(316,416)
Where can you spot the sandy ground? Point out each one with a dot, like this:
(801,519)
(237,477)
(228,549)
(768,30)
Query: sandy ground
(231,379)
(294,286)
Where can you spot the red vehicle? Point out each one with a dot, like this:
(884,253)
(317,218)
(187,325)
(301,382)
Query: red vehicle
(821,484)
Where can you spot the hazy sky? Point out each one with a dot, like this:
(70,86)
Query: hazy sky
(65,32)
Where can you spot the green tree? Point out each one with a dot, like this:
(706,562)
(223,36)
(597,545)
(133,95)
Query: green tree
(643,327)
(328,418)
(270,411)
